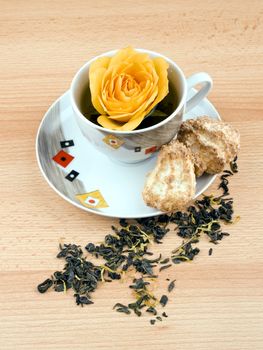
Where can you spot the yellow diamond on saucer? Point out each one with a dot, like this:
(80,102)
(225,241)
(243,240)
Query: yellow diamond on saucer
(92,199)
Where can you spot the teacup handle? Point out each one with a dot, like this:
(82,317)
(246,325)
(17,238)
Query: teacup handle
(199,78)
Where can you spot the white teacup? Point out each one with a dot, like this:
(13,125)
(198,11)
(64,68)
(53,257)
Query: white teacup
(137,145)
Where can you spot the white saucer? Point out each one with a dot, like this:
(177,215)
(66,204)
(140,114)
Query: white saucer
(94,182)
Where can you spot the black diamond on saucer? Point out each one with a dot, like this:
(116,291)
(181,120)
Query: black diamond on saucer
(66,143)
(72,175)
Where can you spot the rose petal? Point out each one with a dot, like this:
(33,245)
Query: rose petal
(134,104)
(122,55)
(101,62)
(133,123)
(104,121)
(95,80)
(125,117)
(161,67)
(138,57)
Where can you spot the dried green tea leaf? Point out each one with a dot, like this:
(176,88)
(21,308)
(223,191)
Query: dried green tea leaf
(152,310)
(165,261)
(171,286)
(118,305)
(82,300)
(44,286)
(164,300)
(164,267)
(123,310)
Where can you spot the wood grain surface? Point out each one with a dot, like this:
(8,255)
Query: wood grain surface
(218,301)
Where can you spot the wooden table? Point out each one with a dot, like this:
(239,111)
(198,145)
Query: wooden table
(218,301)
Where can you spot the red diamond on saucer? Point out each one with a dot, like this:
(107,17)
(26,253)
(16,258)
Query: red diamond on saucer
(63,158)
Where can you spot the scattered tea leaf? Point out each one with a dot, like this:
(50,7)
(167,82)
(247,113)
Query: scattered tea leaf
(118,305)
(137,312)
(44,286)
(171,286)
(164,300)
(233,165)
(165,261)
(164,267)
(152,310)
(121,308)
(126,248)
(153,260)
(82,300)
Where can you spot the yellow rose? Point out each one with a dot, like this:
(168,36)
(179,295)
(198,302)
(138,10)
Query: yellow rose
(126,87)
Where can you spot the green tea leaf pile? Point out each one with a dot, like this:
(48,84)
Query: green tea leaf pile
(126,249)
